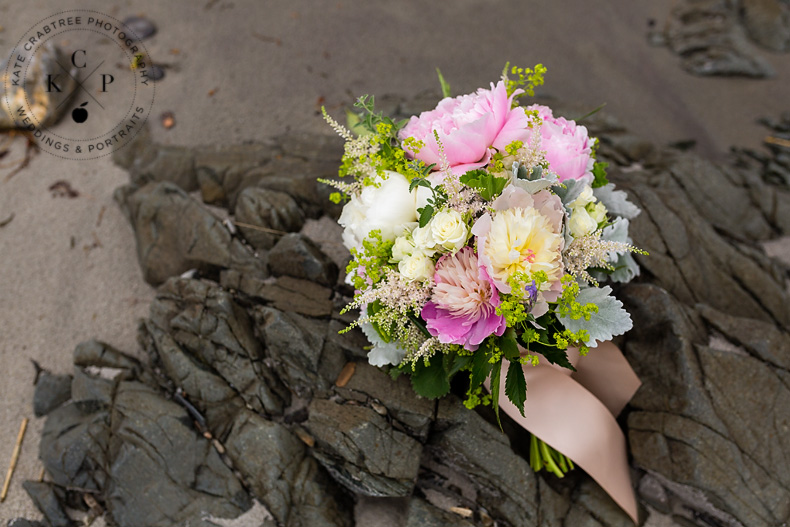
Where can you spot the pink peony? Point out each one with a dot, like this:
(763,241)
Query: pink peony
(467,126)
(462,309)
(567,145)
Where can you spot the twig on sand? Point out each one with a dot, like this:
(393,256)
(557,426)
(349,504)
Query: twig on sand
(777,141)
(257,228)
(14,459)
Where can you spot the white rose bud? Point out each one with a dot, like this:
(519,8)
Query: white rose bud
(449,230)
(597,212)
(402,248)
(423,239)
(581,223)
(418,266)
(584,198)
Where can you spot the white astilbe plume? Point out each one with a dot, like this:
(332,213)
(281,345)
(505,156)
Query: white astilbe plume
(591,251)
(360,149)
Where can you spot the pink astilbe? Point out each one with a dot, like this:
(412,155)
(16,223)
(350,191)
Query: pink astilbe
(463,306)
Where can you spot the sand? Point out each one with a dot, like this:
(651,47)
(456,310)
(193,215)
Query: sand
(68,269)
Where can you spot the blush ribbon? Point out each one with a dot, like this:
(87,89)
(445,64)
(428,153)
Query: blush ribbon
(574,412)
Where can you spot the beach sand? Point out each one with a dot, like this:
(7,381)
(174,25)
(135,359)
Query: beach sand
(68,269)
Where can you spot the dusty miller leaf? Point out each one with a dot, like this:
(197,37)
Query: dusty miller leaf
(616,202)
(610,320)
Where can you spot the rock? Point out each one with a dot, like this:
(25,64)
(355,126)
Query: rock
(147,161)
(87,388)
(297,256)
(45,498)
(370,384)
(194,238)
(45,107)
(767,22)
(51,392)
(269,209)
(493,477)
(294,345)
(284,293)
(74,444)
(141,27)
(155,73)
(205,321)
(22,522)
(291,485)
(163,472)
(422,514)
(362,451)
(687,428)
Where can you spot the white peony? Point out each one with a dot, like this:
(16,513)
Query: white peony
(581,223)
(449,230)
(418,266)
(390,208)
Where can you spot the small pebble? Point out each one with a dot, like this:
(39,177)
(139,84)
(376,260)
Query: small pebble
(156,73)
(346,373)
(378,408)
(140,27)
(168,120)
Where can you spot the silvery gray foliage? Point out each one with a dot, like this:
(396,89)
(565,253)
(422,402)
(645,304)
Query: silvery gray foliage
(610,320)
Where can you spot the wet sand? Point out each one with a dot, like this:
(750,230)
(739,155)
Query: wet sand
(270,66)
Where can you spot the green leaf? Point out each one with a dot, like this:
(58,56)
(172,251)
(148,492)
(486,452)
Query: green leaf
(444,83)
(373,308)
(419,182)
(456,363)
(599,173)
(495,374)
(553,354)
(487,186)
(431,381)
(591,113)
(426,213)
(516,386)
(509,345)
(481,368)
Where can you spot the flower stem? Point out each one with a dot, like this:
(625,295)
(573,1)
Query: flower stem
(542,456)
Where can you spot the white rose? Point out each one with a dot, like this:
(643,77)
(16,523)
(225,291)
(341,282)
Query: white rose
(418,266)
(402,248)
(581,223)
(390,208)
(597,212)
(584,198)
(449,230)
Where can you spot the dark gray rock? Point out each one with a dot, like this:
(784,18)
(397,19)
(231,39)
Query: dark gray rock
(45,498)
(269,209)
(362,451)
(294,346)
(206,321)
(370,385)
(74,445)
(51,391)
(22,522)
(87,388)
(162,472)
(194,238)
(102,355)
(275,463)
(297,256)
(140,27)
(147,161)
(284,293)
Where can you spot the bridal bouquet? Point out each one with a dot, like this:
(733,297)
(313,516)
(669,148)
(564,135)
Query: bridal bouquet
(482,235)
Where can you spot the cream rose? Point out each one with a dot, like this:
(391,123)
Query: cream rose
(402,248)
(418,266)
(581,223)
(449,230)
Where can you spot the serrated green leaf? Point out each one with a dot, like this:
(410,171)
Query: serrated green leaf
(495,375)
(599,173)
(456,363)
(481,368)
(552,354)
(516,386)
(431,381)
(487,186)
(509,345)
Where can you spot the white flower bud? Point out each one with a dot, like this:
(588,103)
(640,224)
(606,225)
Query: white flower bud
(597,211)
(583,199)
(581,223)
(402,248)
(418,266)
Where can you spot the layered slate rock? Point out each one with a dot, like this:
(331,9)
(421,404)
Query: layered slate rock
(249,393)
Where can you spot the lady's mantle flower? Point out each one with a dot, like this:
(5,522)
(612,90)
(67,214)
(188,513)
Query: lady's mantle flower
(463,306)
(467,126)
